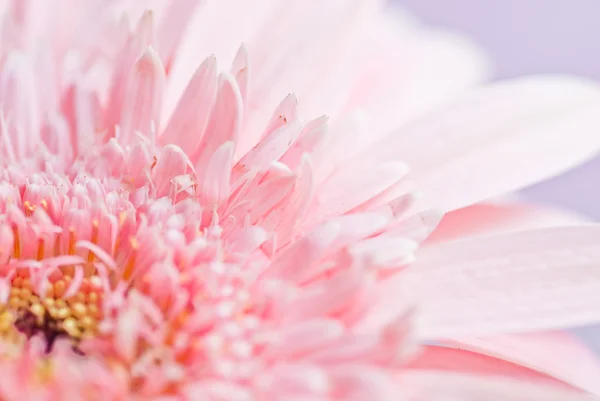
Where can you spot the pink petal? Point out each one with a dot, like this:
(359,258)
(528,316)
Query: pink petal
(312,134)
(143,100)
(239,69)
(350,188)
(247,239)
(124,64)
(214,182)
(306,337)
(19,103)
(524,281)
(569,360)
(298,259)
(458,360)
(425,385)
(300,48)
(406,68)
(499,217)
(173,26)
(287,218)
(172,162)
(225,121)
(187,125)
(498,139)
(272,147)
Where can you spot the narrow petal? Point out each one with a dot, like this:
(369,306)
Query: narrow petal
(19,103)
(352,187)
(188,123)
(240,70)
(172,162)
(498,139)
(532,280)
(172,27)
(214,182)
(225,121)
(271,148)
(143,100)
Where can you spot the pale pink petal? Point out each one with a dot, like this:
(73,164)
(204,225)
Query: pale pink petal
(458,360)
(226,30)
(214,180)
(405,68)
(350,188)
(272,147)
(173,25)
(498,139)
(225,121)
(499,217)
(143,99)
(524,281)
(18,103)
(300,257)
(284,61)
(559,354)
(188,123)
(441,386)
(172,162)
(240,70)
(287,219)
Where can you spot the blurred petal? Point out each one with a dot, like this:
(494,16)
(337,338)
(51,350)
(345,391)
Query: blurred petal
(498,139)
(456,360)
(525,281)
(455,386)
(406,68)
(499,217)
(569,360)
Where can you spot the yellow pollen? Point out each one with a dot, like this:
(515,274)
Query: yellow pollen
(29,209)
(77,316)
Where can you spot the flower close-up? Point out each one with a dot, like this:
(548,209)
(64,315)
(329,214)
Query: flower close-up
(226,201)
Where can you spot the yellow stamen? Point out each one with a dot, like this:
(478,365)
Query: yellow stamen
(131,262)
(16,242)
(94,240)
(40,250)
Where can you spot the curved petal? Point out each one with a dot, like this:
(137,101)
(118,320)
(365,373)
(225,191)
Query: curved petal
(497,139)
(569,360)
(406,68)
(489,218)
(428,385)
(526,281)
(457,360)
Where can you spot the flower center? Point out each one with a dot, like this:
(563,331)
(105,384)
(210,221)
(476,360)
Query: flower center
(75,314)
(57,286)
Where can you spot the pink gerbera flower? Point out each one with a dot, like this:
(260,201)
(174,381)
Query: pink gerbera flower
(171,234)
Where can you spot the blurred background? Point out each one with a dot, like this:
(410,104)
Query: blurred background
(526,37)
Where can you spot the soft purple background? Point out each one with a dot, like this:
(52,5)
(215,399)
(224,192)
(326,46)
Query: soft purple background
(534,36)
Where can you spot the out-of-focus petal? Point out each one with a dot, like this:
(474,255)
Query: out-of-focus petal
(531,280)
(500,217)
(440,386)
(497,139)
(559,354)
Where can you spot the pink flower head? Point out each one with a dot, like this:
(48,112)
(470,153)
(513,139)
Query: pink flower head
(174,230)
